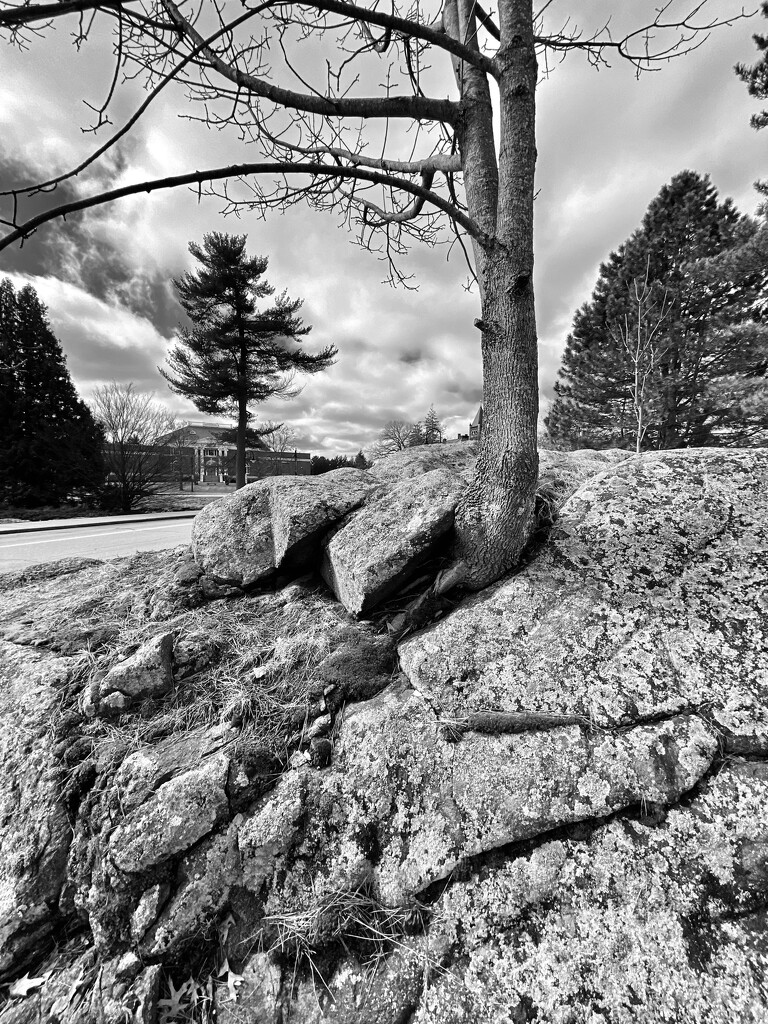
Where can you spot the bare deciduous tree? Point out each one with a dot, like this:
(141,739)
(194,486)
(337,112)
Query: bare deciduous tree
(279,437)
(638,333)
(135,427)
(395,436)
(399,162)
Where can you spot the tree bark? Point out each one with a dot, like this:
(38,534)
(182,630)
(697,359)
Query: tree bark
(242,413)
(495,515)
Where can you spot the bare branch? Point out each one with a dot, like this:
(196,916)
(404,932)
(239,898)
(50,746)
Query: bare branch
(24,14)
(488,23)
(411,212)
(447,163)
(411,107)
(51,183)
(637,46)
(23,231)
(406,27)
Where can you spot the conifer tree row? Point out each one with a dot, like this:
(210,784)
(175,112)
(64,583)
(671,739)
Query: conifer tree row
(704,328)
(50,444)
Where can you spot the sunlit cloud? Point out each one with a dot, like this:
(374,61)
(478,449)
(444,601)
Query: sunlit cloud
(606,144)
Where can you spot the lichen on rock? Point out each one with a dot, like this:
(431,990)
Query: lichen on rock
(646,601)
(557,815)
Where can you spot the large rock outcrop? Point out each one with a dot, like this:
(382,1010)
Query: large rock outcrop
(273,523)
(559,814)
(648,599)
(379,547)
(34,825)
(369,532)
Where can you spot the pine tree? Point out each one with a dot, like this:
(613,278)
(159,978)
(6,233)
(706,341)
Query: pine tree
(594,406)
(51,444)
(756,78)
(235,354)
(432,428)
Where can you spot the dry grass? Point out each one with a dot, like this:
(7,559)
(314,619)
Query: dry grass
(261,657)
(353,920)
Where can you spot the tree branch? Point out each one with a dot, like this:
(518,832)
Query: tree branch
(51,183)
(411,212)
(446,163)
(408,28)
(23,14)
(646,56)
(23,231)
(416,108)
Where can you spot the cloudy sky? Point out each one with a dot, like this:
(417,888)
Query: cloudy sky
(607,142)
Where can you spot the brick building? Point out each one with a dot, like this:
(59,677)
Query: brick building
(199,450)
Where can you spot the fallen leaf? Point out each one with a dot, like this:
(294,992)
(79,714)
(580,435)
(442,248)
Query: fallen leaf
(175,1007)
(224,927)
(23,986)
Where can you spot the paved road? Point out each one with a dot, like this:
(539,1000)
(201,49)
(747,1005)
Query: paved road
(102,540)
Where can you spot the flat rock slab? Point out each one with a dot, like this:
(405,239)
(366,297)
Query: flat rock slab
(460,457)
(425,804)
(245,536)
(432,803)
(650,598)
(181,812)
(383,544)
(401,807)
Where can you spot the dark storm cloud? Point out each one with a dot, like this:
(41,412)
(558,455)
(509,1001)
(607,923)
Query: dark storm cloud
(32,257)
(95,360)
(465,392)
(410,358)
(81,250)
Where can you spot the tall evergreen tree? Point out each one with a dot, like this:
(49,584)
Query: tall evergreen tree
(236,354)
(594,407)
(432,427)
(50,444)
(756,78)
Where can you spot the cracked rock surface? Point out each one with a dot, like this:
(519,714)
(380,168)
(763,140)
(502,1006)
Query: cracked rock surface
(559,814)
(368,532)
(382,544)
(651,597)
(247,535)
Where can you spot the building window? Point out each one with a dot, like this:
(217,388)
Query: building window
(210,451)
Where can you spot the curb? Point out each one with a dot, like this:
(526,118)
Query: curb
(82,524)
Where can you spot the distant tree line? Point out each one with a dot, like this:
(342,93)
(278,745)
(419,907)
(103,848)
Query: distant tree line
(324,464)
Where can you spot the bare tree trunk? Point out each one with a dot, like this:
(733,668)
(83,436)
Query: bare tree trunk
(242,415)
(242,423)
(495,515)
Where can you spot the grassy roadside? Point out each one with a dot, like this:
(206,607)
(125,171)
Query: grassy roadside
(163,501)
